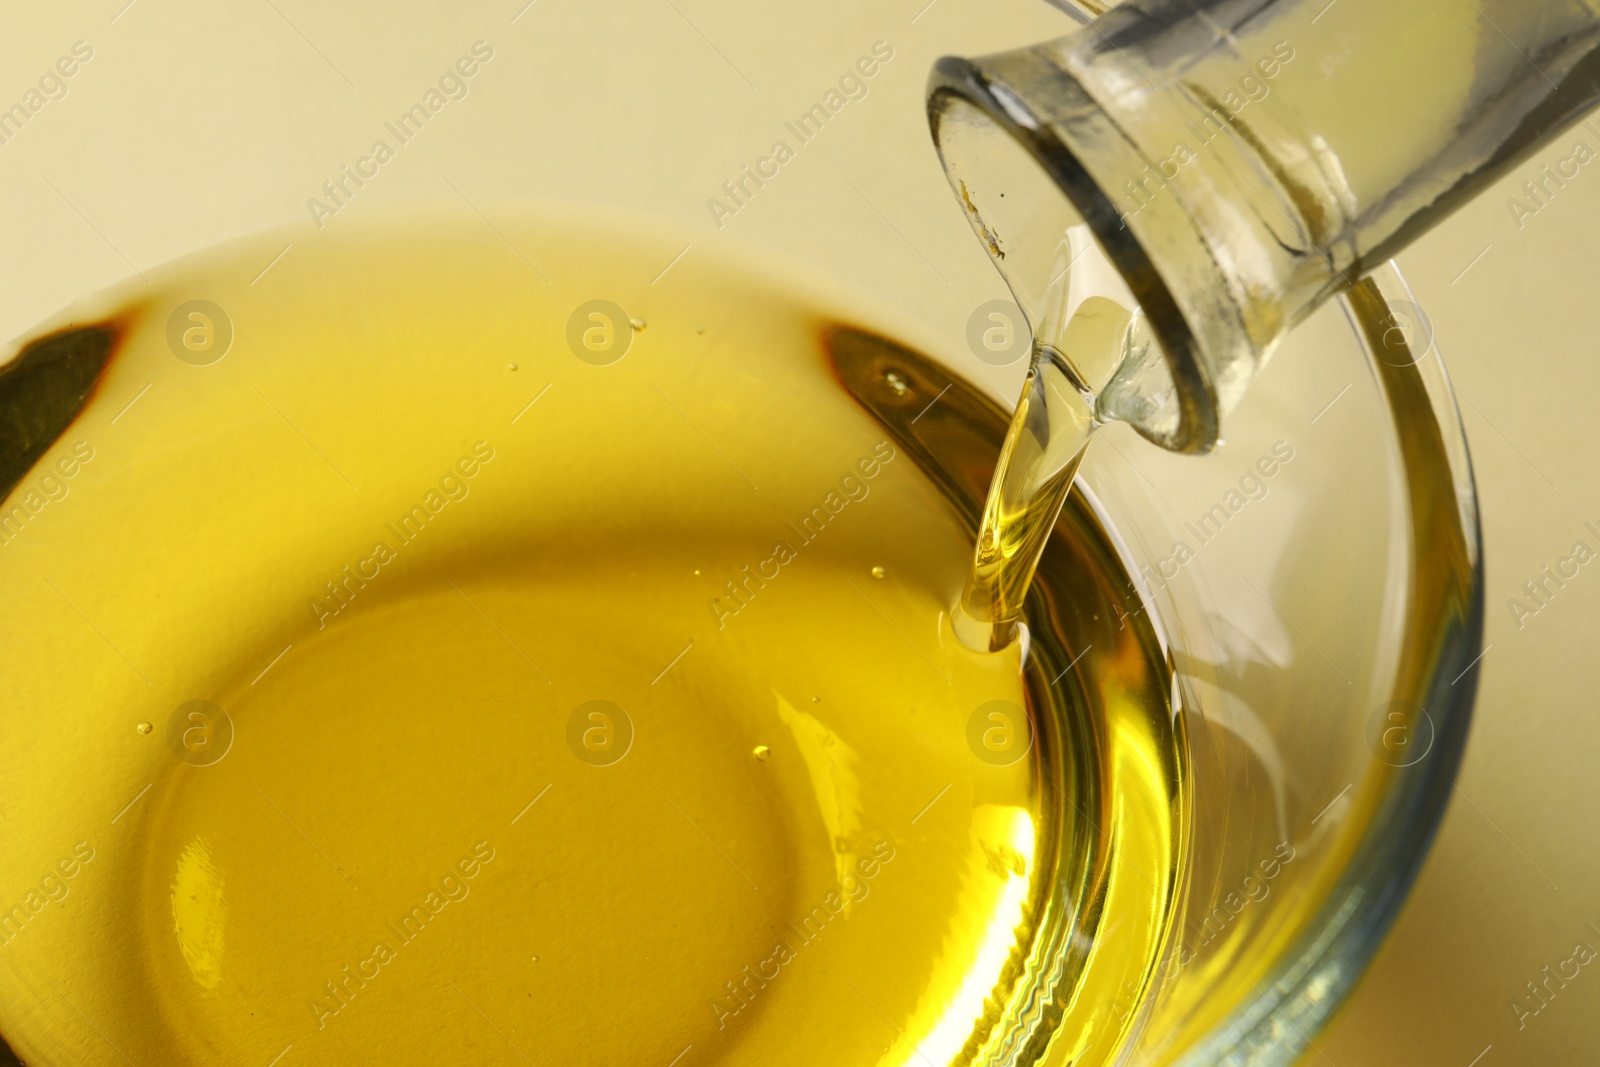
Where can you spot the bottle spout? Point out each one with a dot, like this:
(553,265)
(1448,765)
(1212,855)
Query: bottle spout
(1057,243)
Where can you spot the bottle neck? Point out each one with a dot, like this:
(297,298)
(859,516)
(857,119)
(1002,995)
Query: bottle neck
(1238,175)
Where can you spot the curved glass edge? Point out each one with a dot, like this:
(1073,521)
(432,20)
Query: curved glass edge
(1080,11)
(1445,638)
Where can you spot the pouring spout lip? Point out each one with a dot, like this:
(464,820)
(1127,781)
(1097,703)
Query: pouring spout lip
(980,84)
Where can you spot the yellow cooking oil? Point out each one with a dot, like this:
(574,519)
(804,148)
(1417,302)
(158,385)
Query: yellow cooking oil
(442,644)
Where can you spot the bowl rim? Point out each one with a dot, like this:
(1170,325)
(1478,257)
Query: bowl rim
(1444,636)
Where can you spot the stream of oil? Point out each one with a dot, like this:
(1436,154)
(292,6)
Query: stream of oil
(1085,329)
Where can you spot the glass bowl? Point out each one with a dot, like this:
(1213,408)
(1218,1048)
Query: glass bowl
(1314,584)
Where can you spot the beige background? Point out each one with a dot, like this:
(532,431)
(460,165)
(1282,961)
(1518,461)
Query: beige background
(195,122)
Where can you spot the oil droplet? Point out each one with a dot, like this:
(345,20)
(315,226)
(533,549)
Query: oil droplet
(878,572)
(897,383)
(145,727)
(637,324)
(816,700)
(697,572)
(761,752)
(513,366)
(536,959)
(701,329)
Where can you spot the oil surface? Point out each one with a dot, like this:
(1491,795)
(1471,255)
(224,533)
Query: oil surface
(441,673)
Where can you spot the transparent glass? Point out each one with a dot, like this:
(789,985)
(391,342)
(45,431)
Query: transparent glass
(1242,162)
(1325,615)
